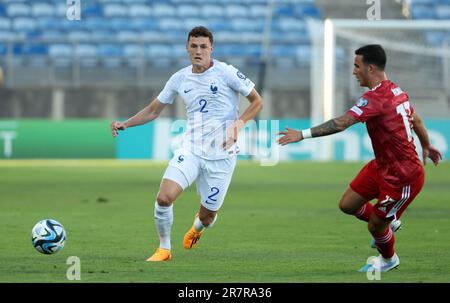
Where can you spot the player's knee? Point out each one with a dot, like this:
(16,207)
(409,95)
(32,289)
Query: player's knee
(165,199)
(346,208)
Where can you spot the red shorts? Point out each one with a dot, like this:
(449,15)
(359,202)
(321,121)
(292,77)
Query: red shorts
(392,201)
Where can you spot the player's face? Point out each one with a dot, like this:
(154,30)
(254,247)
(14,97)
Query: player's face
(199,49)
(360,70)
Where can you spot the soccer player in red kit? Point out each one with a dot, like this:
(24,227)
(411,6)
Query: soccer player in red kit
(396,175)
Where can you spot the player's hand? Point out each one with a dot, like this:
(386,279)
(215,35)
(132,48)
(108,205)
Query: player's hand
(432,153)
(116,126)
(232,134)
(289,136)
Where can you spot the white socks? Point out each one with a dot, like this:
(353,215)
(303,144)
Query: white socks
(199,227)
(163,222)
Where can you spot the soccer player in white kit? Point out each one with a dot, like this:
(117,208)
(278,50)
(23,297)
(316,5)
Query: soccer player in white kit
(210,91)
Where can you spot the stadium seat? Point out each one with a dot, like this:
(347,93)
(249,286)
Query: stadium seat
(5,24)
(18,10)
(163,10)
(257,11)
(443,12)
(53,35)
(44,24)
(170,24)
(42,10)
(158,51)
(91,10)
(212,11)
(115,10)
(127,36)
(236,11)
(60,50)
(139,10)
(24,24)
(423,12)
(143,24)
(79,36)
(185,10)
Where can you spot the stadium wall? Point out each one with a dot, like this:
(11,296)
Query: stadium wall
(77,139)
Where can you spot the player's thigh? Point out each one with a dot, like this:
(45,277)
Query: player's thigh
(213,182)
(393,201)
(181,172)
(363,188)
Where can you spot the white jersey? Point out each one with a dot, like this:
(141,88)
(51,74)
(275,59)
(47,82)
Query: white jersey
(211,100)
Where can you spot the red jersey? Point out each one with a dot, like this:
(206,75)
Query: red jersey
(387,113)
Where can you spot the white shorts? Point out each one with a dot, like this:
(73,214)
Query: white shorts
(212,176)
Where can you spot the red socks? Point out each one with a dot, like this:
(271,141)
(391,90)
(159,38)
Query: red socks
(385,243)
(364,212)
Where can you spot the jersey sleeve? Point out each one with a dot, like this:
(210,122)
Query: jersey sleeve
(170,90)
(238,81)
(365,108)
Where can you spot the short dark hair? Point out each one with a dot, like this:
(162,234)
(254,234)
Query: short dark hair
(201,31)
(373,54)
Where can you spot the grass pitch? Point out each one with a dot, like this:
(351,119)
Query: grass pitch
(278,224)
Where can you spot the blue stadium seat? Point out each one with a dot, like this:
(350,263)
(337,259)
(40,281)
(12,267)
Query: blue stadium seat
(95,24)
(186,10)
(258,11)
(102,35)
(49,23)
(3,49)
(9,35)
(179,51)
(2,10)
(151,35)
(236,11)
(218,24)
(423,12)
(60,50)
(79,36)
(127,36)
(302,11)
(5,23)
(24,24)
(429,2)
(30,49)
(120,24)
(142,24)
(212,11)
(61,9)
(18,10)
(158,51)
(443,12)
(139,10)
(105,50)
(283,11)
(91,10)
(86,50)
(163,10)
(115,10)
(53,35)
(170,24)
(42,10)
(133,50)
(241,24)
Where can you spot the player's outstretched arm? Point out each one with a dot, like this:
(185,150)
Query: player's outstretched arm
(147,114)
(428,151)
(328,128)
(250,113)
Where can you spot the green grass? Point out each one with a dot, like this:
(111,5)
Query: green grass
(278,224)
